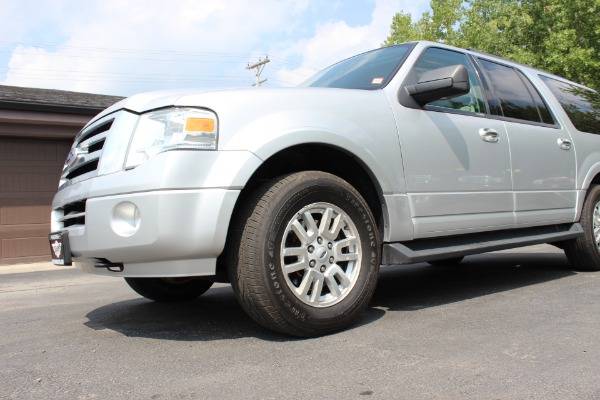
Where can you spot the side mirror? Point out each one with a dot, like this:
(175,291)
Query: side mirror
(446,82)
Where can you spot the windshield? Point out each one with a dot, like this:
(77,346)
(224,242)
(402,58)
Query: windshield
(370,70)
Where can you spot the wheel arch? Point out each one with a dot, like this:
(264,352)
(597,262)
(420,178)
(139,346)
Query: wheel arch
(592,177)
(312,156)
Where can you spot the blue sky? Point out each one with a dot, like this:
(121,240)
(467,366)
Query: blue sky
(124,47)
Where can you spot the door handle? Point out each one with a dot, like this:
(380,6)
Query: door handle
(564,144)
(488,135)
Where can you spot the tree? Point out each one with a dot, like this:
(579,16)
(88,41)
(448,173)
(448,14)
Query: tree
(560,36)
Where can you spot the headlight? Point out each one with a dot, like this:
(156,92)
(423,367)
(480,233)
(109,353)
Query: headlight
(169,129)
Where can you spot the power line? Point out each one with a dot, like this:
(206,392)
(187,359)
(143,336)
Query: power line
(162,61)
(81,72)
(165,57)
(139,79)
(132,57)
(125,79)
(40,73)
(132,50)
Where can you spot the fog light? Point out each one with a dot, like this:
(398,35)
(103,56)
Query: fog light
(125,219)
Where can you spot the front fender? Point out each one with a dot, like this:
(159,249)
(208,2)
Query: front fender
(376,146)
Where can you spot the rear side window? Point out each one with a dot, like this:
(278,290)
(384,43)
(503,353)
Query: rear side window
(581,105)
(518,97)
(545,115)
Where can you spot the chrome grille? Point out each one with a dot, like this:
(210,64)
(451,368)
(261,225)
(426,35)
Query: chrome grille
(82,161)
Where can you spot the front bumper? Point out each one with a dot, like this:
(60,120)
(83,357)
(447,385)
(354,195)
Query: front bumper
(179,233)
(184,202)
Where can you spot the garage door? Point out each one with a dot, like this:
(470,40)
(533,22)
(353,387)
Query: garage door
(29,173)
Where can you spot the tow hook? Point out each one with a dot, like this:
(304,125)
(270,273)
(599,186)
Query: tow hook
(110,266)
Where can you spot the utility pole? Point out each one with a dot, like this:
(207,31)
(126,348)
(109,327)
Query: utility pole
(259,66)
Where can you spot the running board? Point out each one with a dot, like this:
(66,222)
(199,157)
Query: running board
(475,243)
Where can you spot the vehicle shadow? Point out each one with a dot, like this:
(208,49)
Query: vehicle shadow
(421,286)
(217,315)
(214,316)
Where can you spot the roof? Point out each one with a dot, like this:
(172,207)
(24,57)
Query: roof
(51,100)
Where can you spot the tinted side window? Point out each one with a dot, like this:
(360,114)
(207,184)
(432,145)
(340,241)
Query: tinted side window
(516,100)
(581,105)
(545,114)
(434,58)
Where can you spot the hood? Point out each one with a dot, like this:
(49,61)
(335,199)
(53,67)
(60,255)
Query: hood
(141,102)
(245,98)
(239,106)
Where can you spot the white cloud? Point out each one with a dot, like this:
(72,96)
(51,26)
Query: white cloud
(208,43)
(336,40)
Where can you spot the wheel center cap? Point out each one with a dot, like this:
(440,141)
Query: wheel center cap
(320,252)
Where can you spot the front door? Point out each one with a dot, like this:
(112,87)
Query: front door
(456,161)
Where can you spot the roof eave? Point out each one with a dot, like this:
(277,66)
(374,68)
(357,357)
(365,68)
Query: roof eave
(56,108)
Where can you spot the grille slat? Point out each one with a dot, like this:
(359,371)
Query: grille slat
(97,145)
(71,216)
(87,149)
(82,169)
(96,130)
(74,207)
(89,142)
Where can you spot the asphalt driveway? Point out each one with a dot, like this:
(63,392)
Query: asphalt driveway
(509,325)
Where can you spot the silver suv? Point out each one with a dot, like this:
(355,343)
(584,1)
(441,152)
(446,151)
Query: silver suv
(409,153)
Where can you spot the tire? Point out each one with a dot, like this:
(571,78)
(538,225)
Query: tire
(267,293)
(446,262)
(169,290)
(583,252)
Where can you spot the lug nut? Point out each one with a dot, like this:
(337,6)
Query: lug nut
(329,245)
(311,249)
(331,260)
(312,263)
(323,268)
(320,240)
